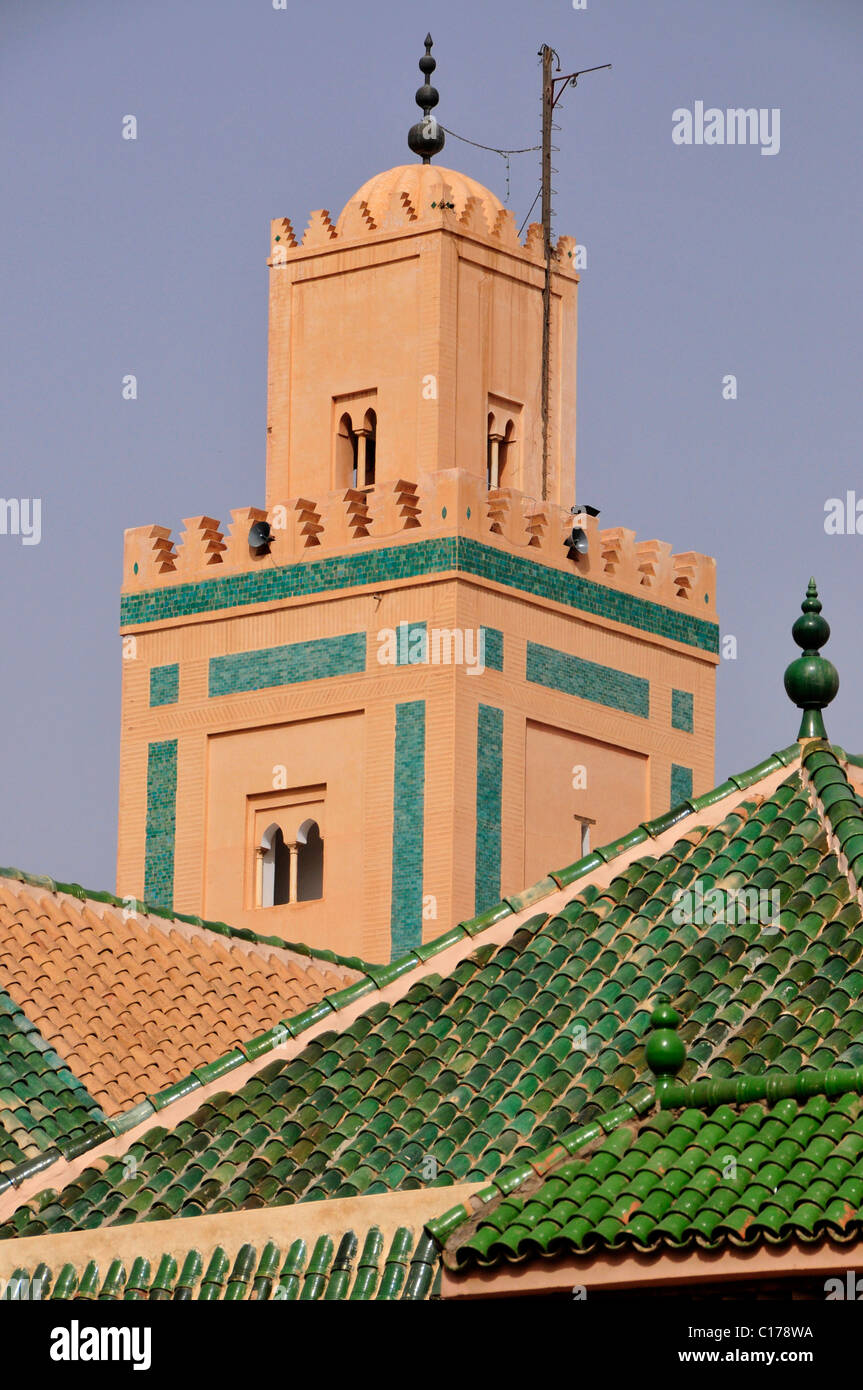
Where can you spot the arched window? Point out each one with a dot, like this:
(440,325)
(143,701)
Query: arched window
(347,448)
(275,879)
(356,449)
(370,436)
(491,454)
(501,466)
(506,457)
(310,862)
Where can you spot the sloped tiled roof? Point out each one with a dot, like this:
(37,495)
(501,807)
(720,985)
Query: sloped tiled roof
(40,1099)
(133,1000)
(737,1175)
(468,1075)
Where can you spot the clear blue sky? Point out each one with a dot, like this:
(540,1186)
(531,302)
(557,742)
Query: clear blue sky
(149,257)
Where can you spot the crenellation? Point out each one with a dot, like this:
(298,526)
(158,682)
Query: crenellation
(498,508)
(358,515)
(473,218)
(617,551)
(358,221)
(201,545)
(536,526)
(237,552)
(533,242)
(310,520)
(320,231)
(505,229)
(283,238)
(149,556)
(654,564)
(406,503)
(450,502)
(466,213)
(400,213)
(693,574)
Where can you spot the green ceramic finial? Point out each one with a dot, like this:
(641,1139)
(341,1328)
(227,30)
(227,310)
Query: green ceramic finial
(664,1051)
(811,681)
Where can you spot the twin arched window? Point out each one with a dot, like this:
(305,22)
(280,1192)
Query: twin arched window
(356,445)
(500,455)
(291,871)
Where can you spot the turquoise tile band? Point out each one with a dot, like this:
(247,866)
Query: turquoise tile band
(300,661)
(681,784)
(411,644)
(588,680)
(164,684)
(161,823)
(493,643)
(406,910)
(460,553)
(681,710)
(489,787)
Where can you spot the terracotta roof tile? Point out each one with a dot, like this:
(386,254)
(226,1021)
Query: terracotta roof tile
(133,1003)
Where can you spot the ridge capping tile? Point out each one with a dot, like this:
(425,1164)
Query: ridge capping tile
(623,843)
(179,1089)
(658,826)
(519,901)
(31,1166)
(488,918)
(212,1071)
(129,1119)
(564,877)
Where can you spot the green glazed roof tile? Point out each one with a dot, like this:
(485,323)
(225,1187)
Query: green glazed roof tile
(532,1037)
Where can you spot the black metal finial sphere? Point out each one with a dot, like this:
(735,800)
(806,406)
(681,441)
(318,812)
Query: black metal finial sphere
(426,137)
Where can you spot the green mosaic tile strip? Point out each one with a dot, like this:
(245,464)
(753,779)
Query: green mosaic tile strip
(412,648)
(165,684)
(493,647)
(681,710)
(681,784)
(161,822)
(406,912)
(301,661)
(265,585)
(588,680)
(489,785)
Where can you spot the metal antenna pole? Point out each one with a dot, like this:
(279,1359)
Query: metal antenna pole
(547,106)
(550,98)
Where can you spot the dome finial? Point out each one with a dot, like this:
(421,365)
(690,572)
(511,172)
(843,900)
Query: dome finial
(426,137)
(664,1051)
(811,681)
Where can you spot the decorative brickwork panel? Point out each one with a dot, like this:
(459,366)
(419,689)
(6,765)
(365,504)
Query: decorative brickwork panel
(407,562)
(406,912)
(681,784)
(301,661)
(489,783)
(161,823)
(681,710)
(588,680)
(165,684)
(493,640)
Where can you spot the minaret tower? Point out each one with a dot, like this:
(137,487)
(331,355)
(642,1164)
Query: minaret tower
(410,683)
